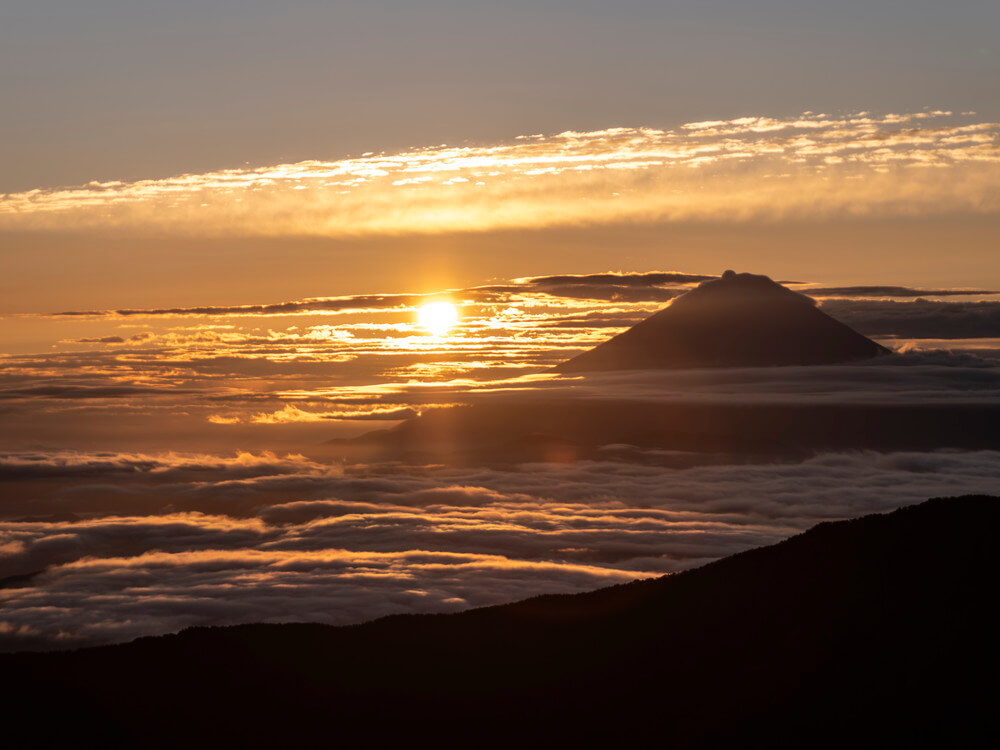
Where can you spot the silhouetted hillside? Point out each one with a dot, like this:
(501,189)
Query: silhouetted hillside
(740,320)
(875,632)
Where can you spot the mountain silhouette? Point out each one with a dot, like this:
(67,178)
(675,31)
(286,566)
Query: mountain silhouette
(739,320)
(876,632)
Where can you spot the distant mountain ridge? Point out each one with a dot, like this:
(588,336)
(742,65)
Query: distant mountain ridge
(739,320)
(876,632)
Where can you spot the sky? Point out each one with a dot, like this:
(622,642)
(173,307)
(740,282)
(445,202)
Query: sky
(221,224)
(109,89)
(141,93)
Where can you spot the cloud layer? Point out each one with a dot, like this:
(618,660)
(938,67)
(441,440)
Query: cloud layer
(814,165)
(161,523)
(263,538)
(354,362)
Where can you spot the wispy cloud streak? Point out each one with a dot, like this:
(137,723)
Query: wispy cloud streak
(742,169)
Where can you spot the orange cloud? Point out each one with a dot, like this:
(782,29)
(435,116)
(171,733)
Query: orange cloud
(743,169)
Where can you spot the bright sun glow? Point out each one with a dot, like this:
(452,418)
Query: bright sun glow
(438,317)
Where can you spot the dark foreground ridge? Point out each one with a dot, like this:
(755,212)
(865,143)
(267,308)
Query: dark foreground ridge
(879,631)
(740,320)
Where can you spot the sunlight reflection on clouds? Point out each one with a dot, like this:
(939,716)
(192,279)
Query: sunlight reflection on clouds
(368,358)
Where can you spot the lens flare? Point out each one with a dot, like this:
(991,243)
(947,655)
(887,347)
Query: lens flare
(438,317)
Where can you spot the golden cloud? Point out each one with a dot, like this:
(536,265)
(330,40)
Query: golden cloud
(748,168)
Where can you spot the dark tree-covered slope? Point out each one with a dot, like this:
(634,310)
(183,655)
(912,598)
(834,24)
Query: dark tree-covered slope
(876,632)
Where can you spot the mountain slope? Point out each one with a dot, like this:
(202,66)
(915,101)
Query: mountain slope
(740,320)
(878,631)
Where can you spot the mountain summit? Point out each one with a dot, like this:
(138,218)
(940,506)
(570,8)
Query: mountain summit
(739,320)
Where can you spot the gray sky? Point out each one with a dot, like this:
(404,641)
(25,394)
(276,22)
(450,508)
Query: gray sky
(116,89)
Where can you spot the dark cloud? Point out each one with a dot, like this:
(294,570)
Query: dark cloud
(892,291)
(651,278)
(332,304)
(615,287)
(595,319)
(34,547)
(918,319)
(87,391)
(624,287)
(104,340)
(613,293)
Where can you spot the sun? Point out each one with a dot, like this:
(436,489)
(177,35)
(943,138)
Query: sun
(438,317)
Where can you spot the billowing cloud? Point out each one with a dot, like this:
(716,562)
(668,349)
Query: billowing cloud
(380,540)
(119,599)
(158,468)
